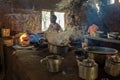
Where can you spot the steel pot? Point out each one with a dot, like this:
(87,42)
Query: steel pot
(88,69)
(57,49)
(53,62)
(112,65)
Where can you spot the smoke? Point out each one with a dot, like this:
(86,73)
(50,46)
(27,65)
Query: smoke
(64,37)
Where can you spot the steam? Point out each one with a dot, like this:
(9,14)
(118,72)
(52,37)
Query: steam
(63,38)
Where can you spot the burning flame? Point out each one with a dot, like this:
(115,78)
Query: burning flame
(24,37)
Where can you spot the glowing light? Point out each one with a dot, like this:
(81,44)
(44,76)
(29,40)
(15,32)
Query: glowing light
(112,1)
(98,8)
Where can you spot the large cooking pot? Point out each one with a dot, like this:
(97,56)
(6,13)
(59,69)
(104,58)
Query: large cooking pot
(112,65)
(88,69)
(100,54)
(53,62)
(57,49)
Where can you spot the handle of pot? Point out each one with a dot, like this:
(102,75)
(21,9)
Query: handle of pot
(79,62)
(42,60)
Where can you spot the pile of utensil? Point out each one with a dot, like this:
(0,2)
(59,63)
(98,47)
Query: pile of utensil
(113,35)
(97,57)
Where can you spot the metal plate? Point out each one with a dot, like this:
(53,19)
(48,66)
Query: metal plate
(101,50)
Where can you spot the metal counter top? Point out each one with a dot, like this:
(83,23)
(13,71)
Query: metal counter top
(103,39)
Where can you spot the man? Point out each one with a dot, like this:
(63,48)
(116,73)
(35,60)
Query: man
(72,20)
(92,29)
(53,25)
(51,35)
(74,30)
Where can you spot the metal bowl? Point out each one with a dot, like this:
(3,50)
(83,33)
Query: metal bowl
(57,49)
(101,50)
(100,54)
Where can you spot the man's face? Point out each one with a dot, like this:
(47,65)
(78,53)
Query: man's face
(52,19)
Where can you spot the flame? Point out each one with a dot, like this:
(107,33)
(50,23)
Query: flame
(24,37)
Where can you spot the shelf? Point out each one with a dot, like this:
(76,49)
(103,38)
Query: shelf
(103,39)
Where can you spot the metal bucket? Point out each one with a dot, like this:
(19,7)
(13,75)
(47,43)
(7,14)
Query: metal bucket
(112,65)
(88,69)
(53,62)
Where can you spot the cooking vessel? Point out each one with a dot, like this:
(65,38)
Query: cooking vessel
(57,49)
(100,54)
(88,69)
(53,62)
(113,35)
(112,65)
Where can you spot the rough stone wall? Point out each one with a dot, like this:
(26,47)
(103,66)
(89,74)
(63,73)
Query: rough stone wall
(23,21)
(107,18)
(109,21)
(23,15)
(28,4)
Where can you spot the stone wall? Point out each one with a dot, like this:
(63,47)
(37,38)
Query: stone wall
(28,4)
(108,18)
(24,20)
(23,15)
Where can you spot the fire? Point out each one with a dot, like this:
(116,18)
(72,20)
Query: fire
(24,39)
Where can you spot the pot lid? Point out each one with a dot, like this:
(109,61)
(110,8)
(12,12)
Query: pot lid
(88,62)
(100,50)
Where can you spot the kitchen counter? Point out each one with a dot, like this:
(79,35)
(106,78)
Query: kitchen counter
(25,65)
(104,42)
(103,39)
